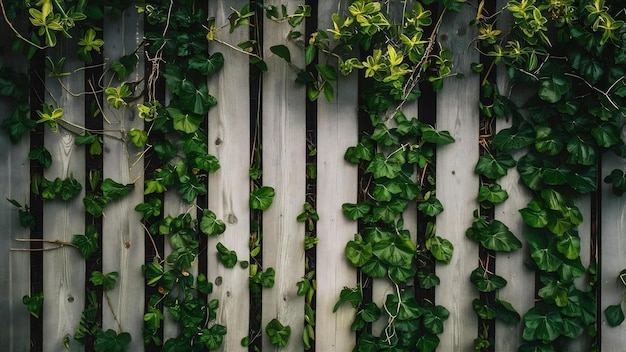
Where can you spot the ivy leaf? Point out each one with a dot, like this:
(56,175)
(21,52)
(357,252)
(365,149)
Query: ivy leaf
(187,123)
(505,312)
(617,179)
(34,303)
(407,307)
(138,137)
(387,212)
(514,138)
(542,323)
(499,238)
(431,207)
(614,315)
(261,197)
(107,281)
(88,243)
(494,167)
(354,296)
(213,337)
(493,194)
(358,252)
(206,66)
(440,248)
(434,318)
(486,282)
(383,192)
(535,215)
(110,341)
(583,181)
(606,135)
(580,152)
(555,175)
(355,211)
(542,252)
(483,310)
(197,97)
(427,343)
(281,51)
(427,281)
(226,256)
(388,167)
(41,155)
(431,135)
(149,209)
(552,88)
(375,268)
(113,190)
(278,333)
(210,224)
(398,252)
(530,170)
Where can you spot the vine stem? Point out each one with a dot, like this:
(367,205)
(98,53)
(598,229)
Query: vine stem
(17,33)
(59,243)
(605,94)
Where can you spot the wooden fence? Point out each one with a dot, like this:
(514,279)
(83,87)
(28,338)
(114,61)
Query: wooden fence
(284,148)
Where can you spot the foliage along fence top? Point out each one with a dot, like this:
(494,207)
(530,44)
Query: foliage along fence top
(350,175)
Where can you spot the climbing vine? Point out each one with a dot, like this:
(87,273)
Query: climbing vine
(567,57)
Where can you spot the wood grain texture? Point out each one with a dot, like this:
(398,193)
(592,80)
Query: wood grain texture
(284,151)
(64,268)
(14,266)
(613,256)
(123,236)
(457,112)
(520,288)
(229,136)
(337,123)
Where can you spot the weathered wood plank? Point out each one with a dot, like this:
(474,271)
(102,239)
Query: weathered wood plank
(284,151)
(123,237)
(14,266)
(457,185)
(64,268)
(519,290)
(612,256)
(229,135)
(337,125)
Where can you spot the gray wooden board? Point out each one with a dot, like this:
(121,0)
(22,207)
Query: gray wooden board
(14,265)
(613,257)
(457,185)
(336,185)
(284,151)
(229,135)
(123,237)
(64,268)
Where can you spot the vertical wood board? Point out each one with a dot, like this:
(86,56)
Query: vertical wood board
(336,184)
(64,268)
(14,265)
(284,163)
(613,257)
(123,237)
(228,139)
(457,185)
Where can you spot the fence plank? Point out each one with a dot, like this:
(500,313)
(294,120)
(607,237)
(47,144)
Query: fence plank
(229,135)
(14,266)
(64,268)
(613,256)
(457,185)
(123,244)
(284,148)
(337,125)
(519,290)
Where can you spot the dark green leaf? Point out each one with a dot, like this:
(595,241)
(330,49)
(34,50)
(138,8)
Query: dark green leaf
(278,333)
(261,197)
(542,324)
(494,167)
(210,224)
(110,341)
(281,51)
(440,248)
(226,256)
(486,282)
(355,211)
(614,315)
(358,253)
(41,155)
(113,190)
(493,194)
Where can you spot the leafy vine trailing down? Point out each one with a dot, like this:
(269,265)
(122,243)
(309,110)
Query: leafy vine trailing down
(571,56)
(176,43)
(396,159)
